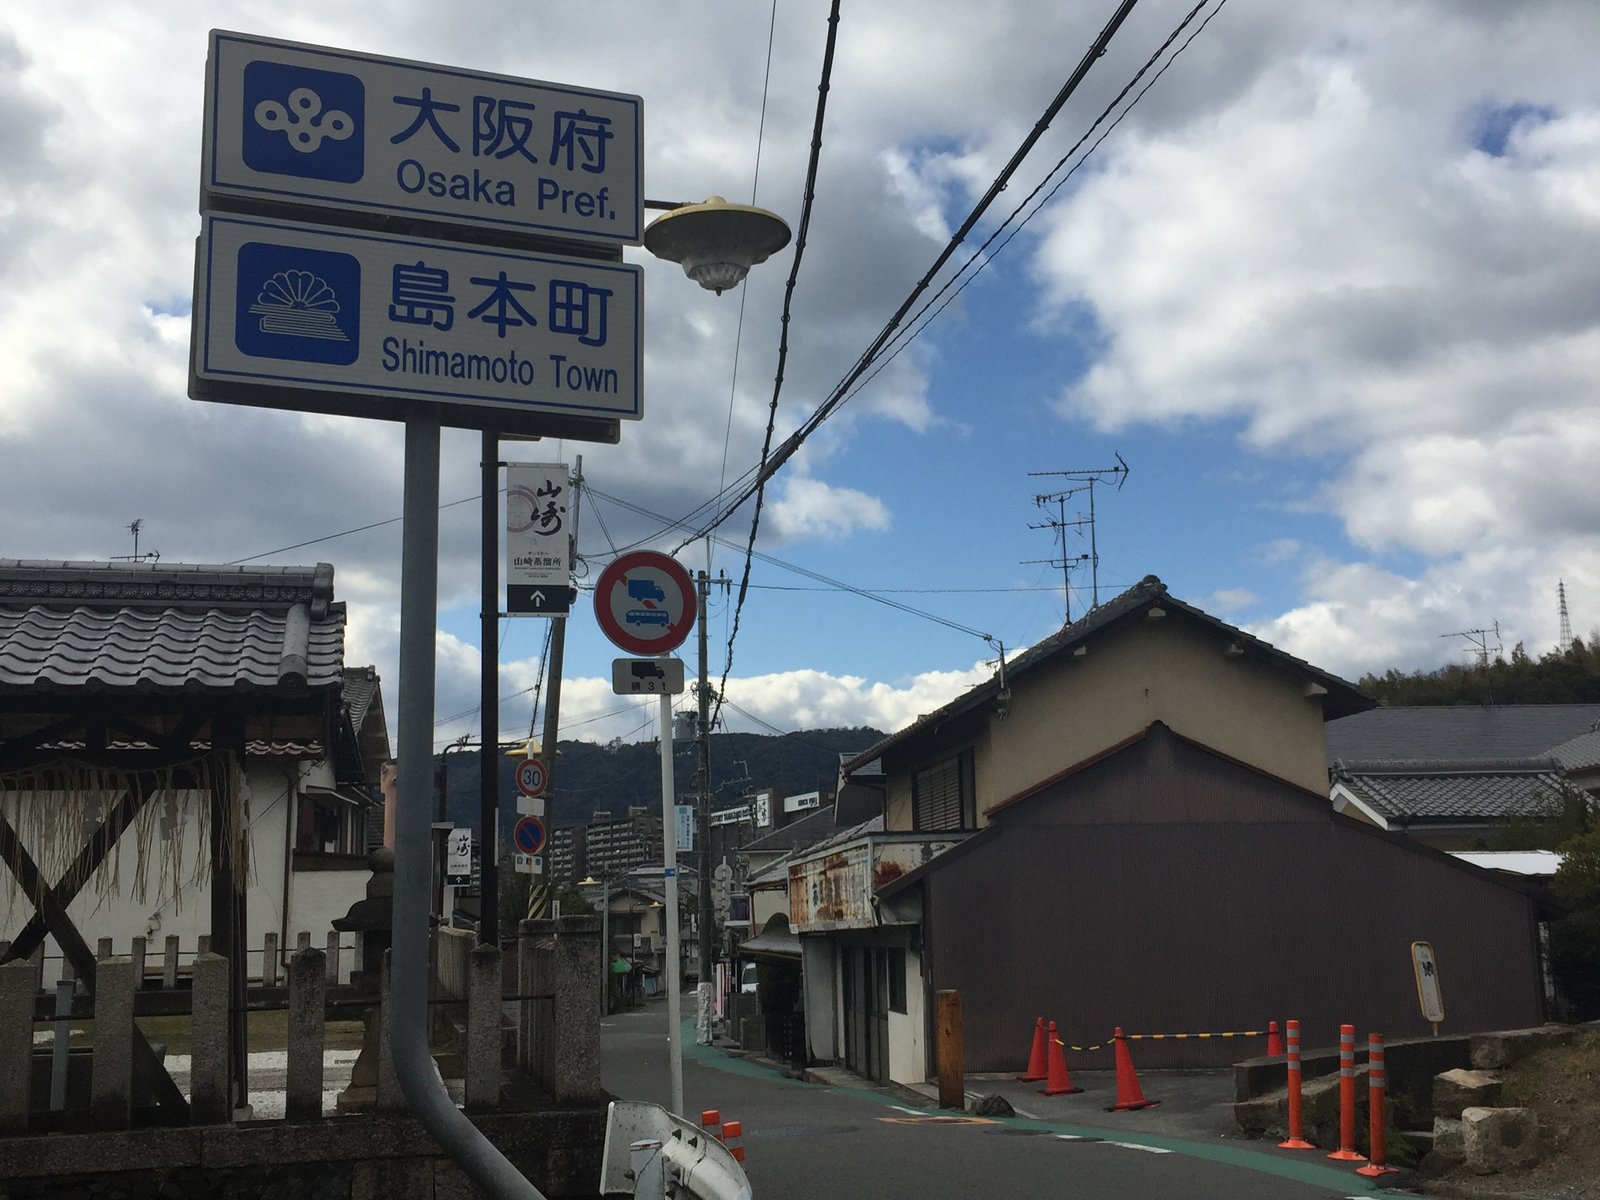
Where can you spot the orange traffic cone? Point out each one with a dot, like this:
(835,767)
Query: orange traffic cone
(1036,1067)
(1059,1083)
(1274,1040)
(1129,1096)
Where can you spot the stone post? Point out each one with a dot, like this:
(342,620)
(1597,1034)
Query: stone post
(111,1094)
(16,1044)
(269,960)
(209,1102)
(307,991)
(169,962)
(332,958)
(566,1053)
(390,1098)
(203,944)
(103,951)
(137,955)
(302,940)
(483,1028)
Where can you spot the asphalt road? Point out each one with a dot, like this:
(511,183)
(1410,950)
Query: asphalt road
(806,1141)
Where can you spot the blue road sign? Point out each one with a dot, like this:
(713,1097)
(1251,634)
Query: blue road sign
(322,314)
(529,835)
(291,125)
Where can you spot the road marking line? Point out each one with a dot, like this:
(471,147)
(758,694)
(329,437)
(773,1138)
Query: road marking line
(1137,1146)
(915,1112)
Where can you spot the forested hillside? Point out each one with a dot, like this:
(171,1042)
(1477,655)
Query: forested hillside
(588,776)
(1572,677)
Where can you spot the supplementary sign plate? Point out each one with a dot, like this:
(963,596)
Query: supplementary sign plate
(321,319)
(638,676)
(294,126)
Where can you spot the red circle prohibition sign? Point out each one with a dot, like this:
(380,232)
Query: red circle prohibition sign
(644,602)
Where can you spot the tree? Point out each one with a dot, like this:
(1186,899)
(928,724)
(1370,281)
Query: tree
(1575,938)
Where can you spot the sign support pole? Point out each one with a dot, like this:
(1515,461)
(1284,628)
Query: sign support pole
(669,877)
(413,842)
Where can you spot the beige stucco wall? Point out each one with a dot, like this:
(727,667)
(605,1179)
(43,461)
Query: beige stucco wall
(1076,706)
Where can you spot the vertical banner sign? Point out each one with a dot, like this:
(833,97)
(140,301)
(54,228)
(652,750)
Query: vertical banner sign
(685,826)
(458,858)
(1429,996)
(538,539)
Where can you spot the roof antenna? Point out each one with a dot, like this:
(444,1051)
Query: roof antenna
(148,556)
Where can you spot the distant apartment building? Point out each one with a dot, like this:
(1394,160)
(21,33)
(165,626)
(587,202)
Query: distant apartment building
(607,847)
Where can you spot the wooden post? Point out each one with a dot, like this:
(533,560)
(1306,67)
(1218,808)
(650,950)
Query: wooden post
(949,1052)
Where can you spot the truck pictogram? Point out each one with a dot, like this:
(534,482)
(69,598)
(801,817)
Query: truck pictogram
(645,590)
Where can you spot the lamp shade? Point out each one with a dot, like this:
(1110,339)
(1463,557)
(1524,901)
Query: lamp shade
(716,243)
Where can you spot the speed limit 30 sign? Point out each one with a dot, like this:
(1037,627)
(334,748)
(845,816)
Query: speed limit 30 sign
(532,777)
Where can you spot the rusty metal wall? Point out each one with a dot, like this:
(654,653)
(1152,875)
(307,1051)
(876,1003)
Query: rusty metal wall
(1249,903)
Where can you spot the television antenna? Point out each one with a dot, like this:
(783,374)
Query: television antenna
(1086,478)
(148,556)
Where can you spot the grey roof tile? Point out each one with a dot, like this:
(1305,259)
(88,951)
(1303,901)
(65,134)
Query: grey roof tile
(1460,731)
(85,627)
(1460,791)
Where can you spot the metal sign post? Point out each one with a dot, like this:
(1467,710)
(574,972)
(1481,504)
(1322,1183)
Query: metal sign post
(669,881)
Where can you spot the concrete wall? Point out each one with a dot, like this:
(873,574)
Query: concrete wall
(908,1058)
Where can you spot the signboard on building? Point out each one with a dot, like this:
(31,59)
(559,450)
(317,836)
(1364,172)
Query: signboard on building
(763,807)
(802,802)
(538,539)
(322,319)
(290,125)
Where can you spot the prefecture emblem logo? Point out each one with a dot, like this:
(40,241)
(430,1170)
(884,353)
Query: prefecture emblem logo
(300,121)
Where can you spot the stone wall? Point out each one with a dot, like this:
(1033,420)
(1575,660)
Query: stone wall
(354,1158)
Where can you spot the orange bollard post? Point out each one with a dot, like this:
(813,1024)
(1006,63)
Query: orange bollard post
(1296,1139)
(1129,1095)
(1347,1151)
(1036,1059)
(1274,1040)
(732,1131)
(1377,1152)
(1060,1082)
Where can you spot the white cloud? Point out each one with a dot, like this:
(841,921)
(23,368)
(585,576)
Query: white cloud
(810,508)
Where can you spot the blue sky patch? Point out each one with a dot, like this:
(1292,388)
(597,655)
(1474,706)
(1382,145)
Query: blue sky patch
(1495,123)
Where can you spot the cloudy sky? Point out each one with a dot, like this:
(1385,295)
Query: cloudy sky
(1331,288)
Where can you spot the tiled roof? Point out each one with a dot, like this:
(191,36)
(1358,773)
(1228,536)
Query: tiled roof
(1459,790)
(76,627)
(1342,696)
(1460,731)
(1582,753)
(807,831)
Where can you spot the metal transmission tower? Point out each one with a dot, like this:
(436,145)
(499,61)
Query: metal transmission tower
(1085,479)
(1480,643)
(1564,639)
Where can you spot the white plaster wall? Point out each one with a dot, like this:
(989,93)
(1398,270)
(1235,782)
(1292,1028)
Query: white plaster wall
(908,1061)
(182,908)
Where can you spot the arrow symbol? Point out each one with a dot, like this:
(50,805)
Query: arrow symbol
(538,598)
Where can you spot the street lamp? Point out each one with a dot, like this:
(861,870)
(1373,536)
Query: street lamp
(716,242)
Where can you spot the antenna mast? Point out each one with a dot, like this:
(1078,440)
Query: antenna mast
(1480,643)
(148,556)
(1087,477)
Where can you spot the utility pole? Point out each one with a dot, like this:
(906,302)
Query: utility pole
(703,738)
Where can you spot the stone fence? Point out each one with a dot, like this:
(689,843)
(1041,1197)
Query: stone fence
(556,1002)
(266,966)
